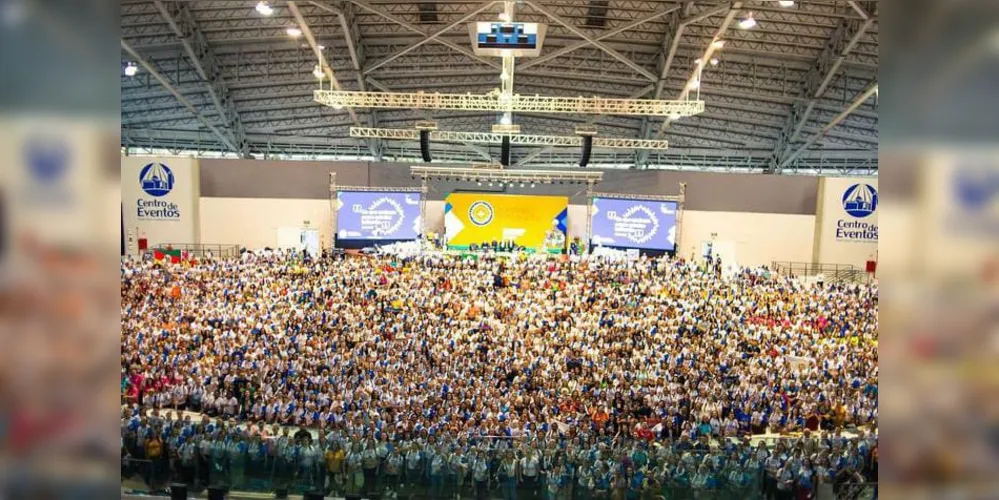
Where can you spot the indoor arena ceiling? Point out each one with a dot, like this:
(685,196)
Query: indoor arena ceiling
(222,79)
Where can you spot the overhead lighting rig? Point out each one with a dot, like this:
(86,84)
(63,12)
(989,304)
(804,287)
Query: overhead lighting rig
(517,103)
(508,176)
(497,138)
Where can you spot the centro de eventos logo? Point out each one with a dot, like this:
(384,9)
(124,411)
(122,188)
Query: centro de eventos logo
(156,179)
(860,200)
(480,213)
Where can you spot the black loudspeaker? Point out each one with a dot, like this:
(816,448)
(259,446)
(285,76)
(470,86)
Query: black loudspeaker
(425,145)
(505,151)
(587,144)
(313,495)
(217,492)
(178,491)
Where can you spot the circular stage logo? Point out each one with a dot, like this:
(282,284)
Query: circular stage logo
(480,213)
(860,200)
(156,179)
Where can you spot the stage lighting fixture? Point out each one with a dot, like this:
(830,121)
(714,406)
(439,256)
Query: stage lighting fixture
(714,61)
(264,9)
(718,44)
(131,69)
(786,3)
(317,72)
(532,184)
(293,32)
(748,22)
(480,183)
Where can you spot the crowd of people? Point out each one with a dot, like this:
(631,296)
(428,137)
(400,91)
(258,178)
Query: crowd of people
(445,353)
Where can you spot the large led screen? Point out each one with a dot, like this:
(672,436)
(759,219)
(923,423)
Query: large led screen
(378,215)
(649,225)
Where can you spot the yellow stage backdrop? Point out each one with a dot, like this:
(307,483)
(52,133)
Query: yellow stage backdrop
(478,218)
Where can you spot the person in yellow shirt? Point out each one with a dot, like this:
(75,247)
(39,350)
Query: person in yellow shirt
(334,457)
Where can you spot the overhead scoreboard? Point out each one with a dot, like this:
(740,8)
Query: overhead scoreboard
(499,38)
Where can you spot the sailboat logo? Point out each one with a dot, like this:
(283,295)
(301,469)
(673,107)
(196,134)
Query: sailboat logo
(860,200)
(156,179)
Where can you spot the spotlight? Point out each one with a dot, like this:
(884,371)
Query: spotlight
(714,61)
(532,184)
(506,120)
(748,22)
(293,32)
(321,47)
(521,184)
(696,84)
(490,184)
(131,69)
(318,72)
(264,9)
(718,44)
(786,3)
(480,183)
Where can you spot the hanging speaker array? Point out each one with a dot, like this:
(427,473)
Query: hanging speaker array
(587,145)
(425,145)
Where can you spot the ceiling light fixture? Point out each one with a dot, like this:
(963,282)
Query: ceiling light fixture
(264,9)
(786,3)
(714,61)
(131,69)
(718,44)
(748,22)
(293,32)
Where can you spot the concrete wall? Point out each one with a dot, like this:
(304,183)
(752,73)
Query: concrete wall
(763,218)
(255,222)
(169,215)
(842,237)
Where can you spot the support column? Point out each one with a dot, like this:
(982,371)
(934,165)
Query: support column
(589,216)
(333,202)
(424,193)
(679,215)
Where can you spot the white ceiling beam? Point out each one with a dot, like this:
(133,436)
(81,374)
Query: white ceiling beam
(600,45)
(431,37)
(614,32)
(183,100)
(867,94)
(708,52)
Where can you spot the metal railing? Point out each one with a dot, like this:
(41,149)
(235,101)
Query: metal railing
(200,250)
(834,273)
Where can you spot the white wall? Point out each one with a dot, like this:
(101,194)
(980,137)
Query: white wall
(169,216)
(254,222)
(758,239)
(833,243)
